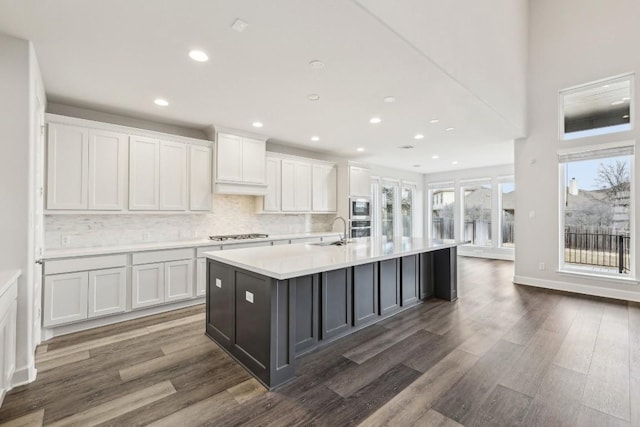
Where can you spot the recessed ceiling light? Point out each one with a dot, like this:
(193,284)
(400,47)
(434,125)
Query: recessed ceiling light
(418,136)
(313,97)
(617,102)
(416,166)
(605,86)
(406,147)
(389,99)
(434,121)
(198,55)
(435,157)
(257,124)
(626,98)
(375,120)
(626,116)
(239,25)
(161,102)
(316,64)
(315,138)
(449,129)
(360,149)
(455,162)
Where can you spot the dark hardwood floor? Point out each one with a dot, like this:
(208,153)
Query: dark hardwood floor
(501,355)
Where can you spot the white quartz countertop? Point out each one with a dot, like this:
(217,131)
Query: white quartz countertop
(285,262)
(107,250)
(7,277)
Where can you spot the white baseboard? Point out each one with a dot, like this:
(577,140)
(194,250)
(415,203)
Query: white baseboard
(578,288)
(24,375)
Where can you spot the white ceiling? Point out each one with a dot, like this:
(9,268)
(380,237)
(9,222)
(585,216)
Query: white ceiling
(119,55)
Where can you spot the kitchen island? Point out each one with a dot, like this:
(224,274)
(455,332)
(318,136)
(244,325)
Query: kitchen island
(268,305)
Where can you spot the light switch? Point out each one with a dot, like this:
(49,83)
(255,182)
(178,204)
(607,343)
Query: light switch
(248,296)
(218,283)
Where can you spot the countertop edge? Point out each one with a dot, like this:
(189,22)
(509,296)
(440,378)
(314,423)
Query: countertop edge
(59,253)
(217,256)
(7,277)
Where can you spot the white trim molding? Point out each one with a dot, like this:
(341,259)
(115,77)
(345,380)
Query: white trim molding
(579,288)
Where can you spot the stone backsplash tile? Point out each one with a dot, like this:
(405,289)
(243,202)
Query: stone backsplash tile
(230,215)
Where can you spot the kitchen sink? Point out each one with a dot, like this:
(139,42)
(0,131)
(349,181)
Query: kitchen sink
(336,243)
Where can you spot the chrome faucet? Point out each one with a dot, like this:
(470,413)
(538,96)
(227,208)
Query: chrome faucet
(343,240)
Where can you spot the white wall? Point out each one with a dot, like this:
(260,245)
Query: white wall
(19,79)
(457,177)
(480,44)
(571,42)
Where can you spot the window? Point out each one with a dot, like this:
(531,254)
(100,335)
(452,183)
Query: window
(596,210)
(442,212)
(597,108)
(406,209)
(507,211)
(476,202)
(387,203)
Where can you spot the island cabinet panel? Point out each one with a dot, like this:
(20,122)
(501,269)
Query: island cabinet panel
(389,286)
(445,268)
(336,302)
(409,279)
(220,303)
(365,293)
(253,312)
(307,302)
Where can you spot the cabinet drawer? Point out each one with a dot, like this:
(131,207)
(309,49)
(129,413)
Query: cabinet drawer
(200,251)
(161,256)
(83,264)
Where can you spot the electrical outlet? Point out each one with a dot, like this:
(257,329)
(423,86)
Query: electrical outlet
(146,236)
(65,240)
(541,266)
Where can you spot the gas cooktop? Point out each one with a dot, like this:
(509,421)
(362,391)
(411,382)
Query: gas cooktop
(239,237)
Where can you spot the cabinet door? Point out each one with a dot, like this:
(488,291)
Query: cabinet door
(253,160)
(200,178)
(67,167)
(229,158)
(107,291)
(389,286)
(108,160)
(409,279)
(296,186)
(336,302)
(324,188)
(144,173)
(173,176)
(272,198)
(178,278)
(65,298)
(201,276)
(147,285)
(221,302)
(365,293)
(359,182)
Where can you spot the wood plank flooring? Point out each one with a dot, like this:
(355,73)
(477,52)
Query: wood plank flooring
(501,355)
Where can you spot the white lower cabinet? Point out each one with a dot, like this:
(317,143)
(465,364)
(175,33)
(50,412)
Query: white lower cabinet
(65,298)
(8,307)
(107,291)
(201,277)
(147,285)
(178,277)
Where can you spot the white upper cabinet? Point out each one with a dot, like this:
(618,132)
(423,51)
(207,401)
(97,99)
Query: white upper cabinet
(296,186)
(229,159)
(359,181)
(324,188)
(67,167)
(173,176)
(200,178)
(108,160)
(271,202)
(144,173)
(240,165)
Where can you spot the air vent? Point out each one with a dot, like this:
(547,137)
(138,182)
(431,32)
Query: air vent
(406,147)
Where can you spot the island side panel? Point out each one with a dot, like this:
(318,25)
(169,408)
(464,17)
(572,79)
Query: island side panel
(365,293)
(445,274)
(389,286)
(283,332)
(307,291)
(336,307)
(409,279)
(220,302)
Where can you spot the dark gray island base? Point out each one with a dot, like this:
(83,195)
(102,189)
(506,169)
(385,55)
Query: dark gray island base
(266,323)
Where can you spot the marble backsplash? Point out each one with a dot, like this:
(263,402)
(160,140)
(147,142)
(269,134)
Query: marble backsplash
(230,215)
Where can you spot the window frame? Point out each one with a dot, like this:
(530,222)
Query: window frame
(440,186)
(476,182)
